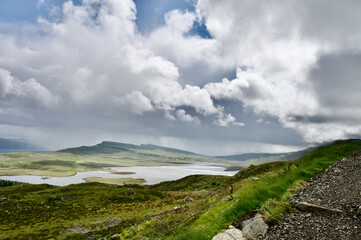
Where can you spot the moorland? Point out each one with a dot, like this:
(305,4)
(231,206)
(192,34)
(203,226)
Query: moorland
(194,207)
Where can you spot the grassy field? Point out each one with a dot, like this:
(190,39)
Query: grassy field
(195,207)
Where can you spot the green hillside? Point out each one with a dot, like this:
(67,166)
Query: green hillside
(261,158)
(108,147)
(195,207)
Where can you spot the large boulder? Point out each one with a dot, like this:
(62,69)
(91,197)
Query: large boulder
(231,234)
(254,227)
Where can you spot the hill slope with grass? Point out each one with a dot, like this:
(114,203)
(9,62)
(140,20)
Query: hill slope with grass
(115,147)
(195,207)
(262,158)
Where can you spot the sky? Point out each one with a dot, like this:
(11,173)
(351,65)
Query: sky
(212,77)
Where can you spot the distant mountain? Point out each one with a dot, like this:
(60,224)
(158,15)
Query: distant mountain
(107,147)
(166,149)
(260,158)
(16,144)
(246,156)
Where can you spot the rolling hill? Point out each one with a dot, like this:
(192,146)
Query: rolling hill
(107,147)
(148,153)
(261,158)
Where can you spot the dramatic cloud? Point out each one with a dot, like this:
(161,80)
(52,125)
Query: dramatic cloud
(280,98)
(336,79)
(137,102)
(183,116)
(226,120)
(279,45)
(29,93)
(173,42)
(294,65)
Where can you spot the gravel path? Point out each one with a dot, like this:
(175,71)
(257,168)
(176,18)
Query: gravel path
(339,187)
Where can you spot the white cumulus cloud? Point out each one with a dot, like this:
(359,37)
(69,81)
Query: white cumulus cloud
(183,116)
(137,102)
(28,93)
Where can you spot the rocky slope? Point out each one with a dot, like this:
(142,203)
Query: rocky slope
(329,207)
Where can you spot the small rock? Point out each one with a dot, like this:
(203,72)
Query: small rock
(230,234)
(4,200)
(189,200)
(254,227)
(359,210)
(111,222)
(177,209)
(78,229)
(304,206)
(115,237)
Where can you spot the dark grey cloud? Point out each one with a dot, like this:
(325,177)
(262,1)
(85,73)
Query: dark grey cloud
(336,78)
(330,22)
(324,119)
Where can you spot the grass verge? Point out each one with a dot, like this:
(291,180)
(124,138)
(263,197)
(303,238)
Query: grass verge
(250,195)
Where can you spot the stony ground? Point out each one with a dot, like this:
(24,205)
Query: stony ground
(339,187)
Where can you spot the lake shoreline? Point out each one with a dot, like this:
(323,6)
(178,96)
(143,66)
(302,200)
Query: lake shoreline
(150,174)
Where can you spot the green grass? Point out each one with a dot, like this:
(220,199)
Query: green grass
(115,181)
(194,183)
(7,183)
(203,202)
(43,211)
(273,209)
